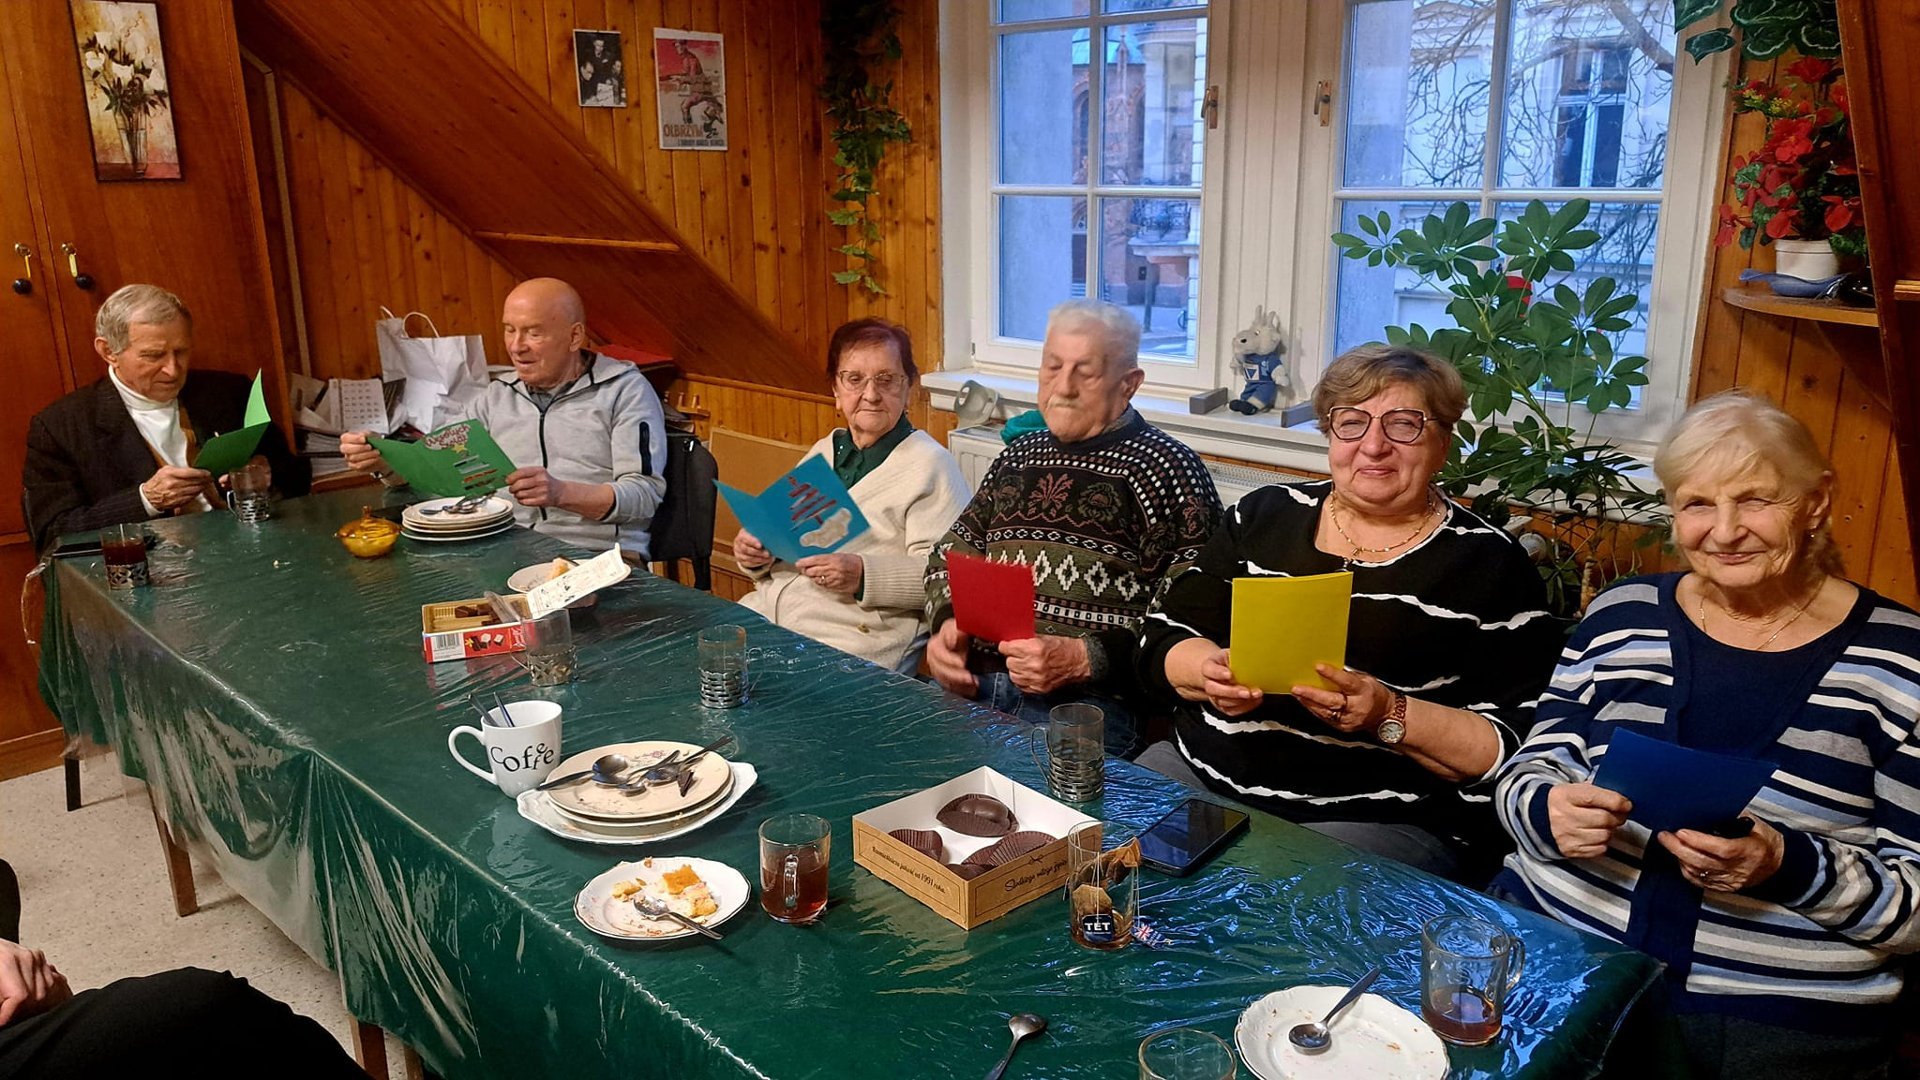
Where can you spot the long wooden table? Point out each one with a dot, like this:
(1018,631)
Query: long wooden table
(271,689)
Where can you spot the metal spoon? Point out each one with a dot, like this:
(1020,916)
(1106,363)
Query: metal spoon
(1022,1025)
(669,770)
(657,909)
(1316,1036)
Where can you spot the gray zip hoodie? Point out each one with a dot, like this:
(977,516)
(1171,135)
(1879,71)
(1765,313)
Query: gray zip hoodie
(607,428)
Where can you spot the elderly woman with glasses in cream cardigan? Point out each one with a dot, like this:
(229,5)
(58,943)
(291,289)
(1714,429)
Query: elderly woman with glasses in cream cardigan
(868,598)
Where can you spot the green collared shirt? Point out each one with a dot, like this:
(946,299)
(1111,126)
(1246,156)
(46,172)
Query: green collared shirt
(852,464)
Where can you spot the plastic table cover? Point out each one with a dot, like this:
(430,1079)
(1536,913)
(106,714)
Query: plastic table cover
(272,689)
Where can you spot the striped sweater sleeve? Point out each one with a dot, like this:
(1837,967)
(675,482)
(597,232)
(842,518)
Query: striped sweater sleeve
(1869,893)
(1558,751)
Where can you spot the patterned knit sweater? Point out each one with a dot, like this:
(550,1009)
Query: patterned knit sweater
(1818,944)
(1103,522)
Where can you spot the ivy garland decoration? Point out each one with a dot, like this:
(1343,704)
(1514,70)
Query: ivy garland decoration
(859,37)
(1767,27)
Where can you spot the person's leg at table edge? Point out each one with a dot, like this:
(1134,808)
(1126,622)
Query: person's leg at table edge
(187,1022)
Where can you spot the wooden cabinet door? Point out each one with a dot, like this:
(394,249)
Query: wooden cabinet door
(31,352)
(200,235)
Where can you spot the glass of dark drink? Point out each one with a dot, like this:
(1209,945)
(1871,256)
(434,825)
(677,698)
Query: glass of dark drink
(1467,966)
(124,547)
(793,867)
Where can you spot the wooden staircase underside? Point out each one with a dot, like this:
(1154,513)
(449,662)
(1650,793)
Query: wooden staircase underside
(429,98)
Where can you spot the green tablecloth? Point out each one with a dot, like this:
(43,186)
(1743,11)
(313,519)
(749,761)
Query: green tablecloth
(271,687)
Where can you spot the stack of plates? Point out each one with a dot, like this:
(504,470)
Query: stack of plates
(434,521)
(597,814)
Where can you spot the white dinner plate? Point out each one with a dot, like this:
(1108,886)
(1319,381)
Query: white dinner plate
(720,793)
(494,506)
(537,808)
(457,537)
(1373,1038)
(600,803)
(455,530)
(599,912)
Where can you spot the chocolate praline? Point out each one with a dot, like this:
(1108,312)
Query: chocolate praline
(978,815)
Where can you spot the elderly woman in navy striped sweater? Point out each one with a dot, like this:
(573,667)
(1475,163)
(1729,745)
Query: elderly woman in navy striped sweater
(1449,640)
(1783,947)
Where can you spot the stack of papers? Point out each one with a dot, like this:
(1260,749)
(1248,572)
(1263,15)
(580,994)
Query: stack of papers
(323,411)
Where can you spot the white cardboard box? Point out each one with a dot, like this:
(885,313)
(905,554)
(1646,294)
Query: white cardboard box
(994,893)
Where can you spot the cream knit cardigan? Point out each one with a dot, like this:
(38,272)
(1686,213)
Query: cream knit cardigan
(909,502)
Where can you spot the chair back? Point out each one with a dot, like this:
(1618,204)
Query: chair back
(683,526)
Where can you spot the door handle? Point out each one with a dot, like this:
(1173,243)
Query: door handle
(84,281)
(24,285)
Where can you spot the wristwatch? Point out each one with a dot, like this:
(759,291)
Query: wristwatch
(1394,727)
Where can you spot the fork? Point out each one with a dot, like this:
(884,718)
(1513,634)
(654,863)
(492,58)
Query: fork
(656,909)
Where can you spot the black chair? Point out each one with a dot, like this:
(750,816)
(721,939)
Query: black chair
(9,904)
(683,525)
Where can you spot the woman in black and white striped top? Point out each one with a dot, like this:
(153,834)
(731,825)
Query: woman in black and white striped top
(1449,639)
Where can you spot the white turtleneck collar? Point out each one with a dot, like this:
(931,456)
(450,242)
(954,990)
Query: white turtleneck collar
(158,421)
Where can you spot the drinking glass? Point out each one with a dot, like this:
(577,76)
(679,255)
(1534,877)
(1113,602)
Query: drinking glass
(793,867)
(1185,1054)
(1467,966)
(1074,736)
(248,490)
(124,547)
(1101,900)
(549,656)
(723,666)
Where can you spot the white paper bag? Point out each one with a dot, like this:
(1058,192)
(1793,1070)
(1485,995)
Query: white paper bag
(445,375)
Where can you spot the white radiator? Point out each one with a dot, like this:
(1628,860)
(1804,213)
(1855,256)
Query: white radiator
(976,447)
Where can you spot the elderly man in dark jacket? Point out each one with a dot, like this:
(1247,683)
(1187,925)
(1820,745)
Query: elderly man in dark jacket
(121,450)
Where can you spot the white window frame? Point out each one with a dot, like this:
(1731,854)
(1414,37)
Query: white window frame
(1273,171)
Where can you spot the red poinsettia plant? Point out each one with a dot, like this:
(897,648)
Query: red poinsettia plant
(1803,183)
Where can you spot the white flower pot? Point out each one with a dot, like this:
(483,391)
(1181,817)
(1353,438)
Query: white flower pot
(1808,260)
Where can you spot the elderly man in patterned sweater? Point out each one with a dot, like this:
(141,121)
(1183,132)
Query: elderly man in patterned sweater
(1102,505)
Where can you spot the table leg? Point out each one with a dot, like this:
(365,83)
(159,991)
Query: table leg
(370,1048)
(70,762)
(179,866)
(415,1068)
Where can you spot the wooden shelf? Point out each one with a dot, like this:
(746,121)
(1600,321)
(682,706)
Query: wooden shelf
(1792,307)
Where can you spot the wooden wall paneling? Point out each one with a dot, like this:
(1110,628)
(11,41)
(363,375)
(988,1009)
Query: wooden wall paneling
(530,47)
(735,183)
(201,236)
(1860,453)
(757,87)
(931,340)
(1892,572)
(794,200)
(563,85)
(268,174)
(306,179)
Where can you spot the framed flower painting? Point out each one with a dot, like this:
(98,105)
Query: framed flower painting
(129,102)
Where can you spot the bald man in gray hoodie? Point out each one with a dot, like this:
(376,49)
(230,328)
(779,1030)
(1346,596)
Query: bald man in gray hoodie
(586,433)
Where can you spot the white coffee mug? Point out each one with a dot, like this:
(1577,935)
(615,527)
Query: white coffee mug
(522,753)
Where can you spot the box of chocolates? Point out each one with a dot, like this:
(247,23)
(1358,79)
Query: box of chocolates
(972,849)
(465,629)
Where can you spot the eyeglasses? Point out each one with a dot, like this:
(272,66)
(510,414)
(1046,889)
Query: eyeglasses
(1349,424)
(886,382)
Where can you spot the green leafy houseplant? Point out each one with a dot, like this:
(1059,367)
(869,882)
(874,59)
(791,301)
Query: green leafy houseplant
(1538,356)
(1767,27)
(859,37)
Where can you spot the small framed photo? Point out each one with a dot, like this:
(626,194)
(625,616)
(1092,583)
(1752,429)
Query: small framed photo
(602,72)
(129,103)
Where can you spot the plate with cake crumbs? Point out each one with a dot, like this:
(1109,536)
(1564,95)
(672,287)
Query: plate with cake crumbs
(705,891)
(1373,1037)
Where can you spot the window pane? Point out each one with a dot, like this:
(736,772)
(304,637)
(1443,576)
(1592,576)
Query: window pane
(1043,259)
(1372,298)
(1624,253)
(1417,95)
(1114,7)
(1043,108)
(1589,88)
(1149,263)
(1154,81)
(1024,10)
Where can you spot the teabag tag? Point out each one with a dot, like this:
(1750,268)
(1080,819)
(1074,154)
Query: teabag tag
(596,573)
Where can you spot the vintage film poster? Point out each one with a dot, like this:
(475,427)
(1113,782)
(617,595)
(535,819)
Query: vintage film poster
(129,105)
(691,81)
(601,71)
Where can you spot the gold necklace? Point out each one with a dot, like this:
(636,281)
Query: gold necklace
(1359,549)
(1775,636)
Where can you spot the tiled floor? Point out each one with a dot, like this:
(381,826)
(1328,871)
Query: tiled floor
(95,898)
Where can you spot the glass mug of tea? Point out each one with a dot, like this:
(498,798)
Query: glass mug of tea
(793,867)
(124,549)
(1467,966)
(249,491)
